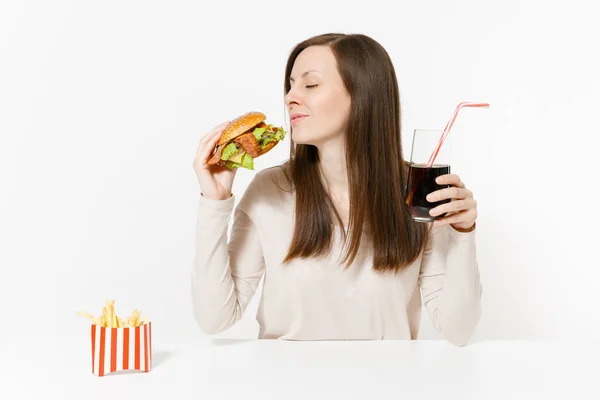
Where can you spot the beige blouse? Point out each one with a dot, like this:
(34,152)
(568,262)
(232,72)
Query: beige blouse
(317,299)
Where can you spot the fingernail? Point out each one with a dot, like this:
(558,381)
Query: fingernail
(438,179)
(429,197)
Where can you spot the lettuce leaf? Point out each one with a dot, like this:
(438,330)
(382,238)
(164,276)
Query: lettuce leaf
(258,132)
(272,137)
(247,162)
(228,151)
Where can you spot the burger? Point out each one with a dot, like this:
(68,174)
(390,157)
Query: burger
(244,139)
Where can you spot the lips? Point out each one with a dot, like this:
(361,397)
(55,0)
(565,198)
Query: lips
(295,118)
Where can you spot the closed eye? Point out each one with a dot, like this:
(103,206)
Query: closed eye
(311,86)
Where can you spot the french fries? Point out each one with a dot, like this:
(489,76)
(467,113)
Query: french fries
(109,318)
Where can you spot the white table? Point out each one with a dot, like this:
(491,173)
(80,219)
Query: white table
(206,368)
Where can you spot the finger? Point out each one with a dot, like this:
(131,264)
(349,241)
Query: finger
(210,136)
(453,206)
(449,193)
(206,152)
(212,143)
(450,179)
(216,130)
(463,216)
(208,142)
(205,155)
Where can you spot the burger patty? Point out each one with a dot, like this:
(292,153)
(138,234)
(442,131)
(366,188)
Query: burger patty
(248,143)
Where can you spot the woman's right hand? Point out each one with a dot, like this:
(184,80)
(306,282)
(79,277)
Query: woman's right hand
(215,181)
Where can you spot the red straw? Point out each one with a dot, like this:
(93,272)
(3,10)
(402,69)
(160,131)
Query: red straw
(449,126)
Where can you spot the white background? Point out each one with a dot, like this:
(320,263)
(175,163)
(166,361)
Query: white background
(102,106)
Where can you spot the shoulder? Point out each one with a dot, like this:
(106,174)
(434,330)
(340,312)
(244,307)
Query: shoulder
(273,179)
(268,188)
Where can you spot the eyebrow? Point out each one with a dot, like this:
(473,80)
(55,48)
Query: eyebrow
(306,73)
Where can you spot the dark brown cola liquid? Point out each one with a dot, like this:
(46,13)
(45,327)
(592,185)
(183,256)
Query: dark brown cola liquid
(421,182)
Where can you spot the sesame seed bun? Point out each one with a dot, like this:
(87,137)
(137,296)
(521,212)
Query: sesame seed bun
(241,125)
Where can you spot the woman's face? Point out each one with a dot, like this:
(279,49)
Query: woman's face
(317,92)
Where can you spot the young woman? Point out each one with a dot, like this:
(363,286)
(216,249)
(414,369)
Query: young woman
(329,229)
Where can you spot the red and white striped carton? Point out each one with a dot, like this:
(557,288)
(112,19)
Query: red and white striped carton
(119,349)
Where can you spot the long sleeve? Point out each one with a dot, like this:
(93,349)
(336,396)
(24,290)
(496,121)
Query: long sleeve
(226,275)
(450,283)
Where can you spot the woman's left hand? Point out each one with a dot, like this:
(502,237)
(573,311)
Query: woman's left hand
(462,208)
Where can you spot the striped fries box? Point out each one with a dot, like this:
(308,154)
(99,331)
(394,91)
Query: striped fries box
(119,349)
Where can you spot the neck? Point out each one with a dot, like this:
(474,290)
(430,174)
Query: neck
(332,163)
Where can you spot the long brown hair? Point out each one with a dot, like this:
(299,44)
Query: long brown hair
(377,172)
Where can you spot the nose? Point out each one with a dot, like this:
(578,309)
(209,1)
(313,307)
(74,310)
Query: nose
(292,97)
